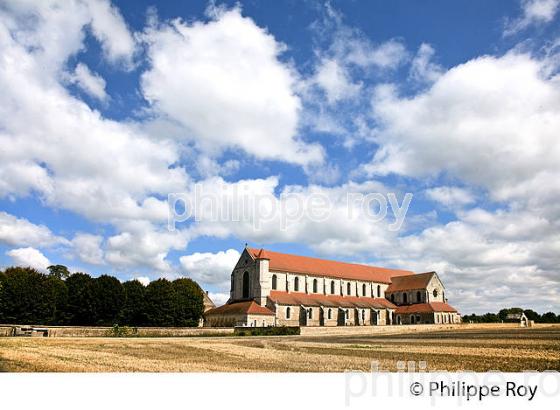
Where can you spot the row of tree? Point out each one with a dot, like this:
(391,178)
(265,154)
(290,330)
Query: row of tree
(59,298)
(502,316)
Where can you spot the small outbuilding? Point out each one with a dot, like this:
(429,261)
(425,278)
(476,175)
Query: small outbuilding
(520,318)
(243,313)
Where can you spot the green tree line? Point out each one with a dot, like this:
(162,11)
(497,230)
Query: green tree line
(60,298)
(501,316)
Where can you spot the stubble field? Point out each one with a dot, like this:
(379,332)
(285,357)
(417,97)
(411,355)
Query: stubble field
(465,349)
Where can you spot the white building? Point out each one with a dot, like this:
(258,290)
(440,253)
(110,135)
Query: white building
(276,289)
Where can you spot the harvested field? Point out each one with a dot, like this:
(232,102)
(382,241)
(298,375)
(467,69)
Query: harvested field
(468,348)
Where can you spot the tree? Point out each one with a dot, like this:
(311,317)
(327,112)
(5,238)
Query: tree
(532,315)
(189,302)
(31,297)
(132,312)
(549,317)
(471,318)
(81,299)
(109,300)
(25,297)
(160,303)
(58,294)
(2,282)
(59,271)
(490,318)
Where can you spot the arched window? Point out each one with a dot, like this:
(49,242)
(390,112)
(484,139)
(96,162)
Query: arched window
(296,284)
(245,285)
(348,288)
(288,312)
(332,287)
(378,291)
(435,293)
(329,314)
(314,285)
(363,315)
(418,297)
(405,298)
(364,289)
(274,282)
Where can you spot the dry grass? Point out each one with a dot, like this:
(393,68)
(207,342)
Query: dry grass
(463,349)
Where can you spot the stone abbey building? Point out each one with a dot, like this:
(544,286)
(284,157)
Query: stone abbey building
(276,289)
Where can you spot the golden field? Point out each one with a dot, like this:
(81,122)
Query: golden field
(468,348)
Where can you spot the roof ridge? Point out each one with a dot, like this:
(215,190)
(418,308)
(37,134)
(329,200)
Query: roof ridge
(267,251)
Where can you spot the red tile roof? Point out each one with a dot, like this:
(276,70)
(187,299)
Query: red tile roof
(313,299)
(261,254)
(240,308)
(282,262)
(426,308)
(410,282)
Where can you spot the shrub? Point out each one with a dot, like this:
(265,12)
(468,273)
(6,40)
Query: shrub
(268,331)
(122,331)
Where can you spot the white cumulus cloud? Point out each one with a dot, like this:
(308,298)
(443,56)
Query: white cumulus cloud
(533,12)
(450,196)
(422,68)
(144,280)
(21,232)
(218,298)
(88,248)
(335,81)
(492,124)
(111,30)
(223,83)
(92,83)
(30,257)
(210,268)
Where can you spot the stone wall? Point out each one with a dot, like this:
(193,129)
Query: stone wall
(282,318)
(79,331)
(429,317)
(372,330)
(260,320)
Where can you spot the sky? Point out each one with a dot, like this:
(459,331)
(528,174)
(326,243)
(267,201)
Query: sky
(108,108)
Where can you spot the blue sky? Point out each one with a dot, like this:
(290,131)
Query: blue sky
(109,107)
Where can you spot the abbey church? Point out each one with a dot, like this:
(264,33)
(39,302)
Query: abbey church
(276,289)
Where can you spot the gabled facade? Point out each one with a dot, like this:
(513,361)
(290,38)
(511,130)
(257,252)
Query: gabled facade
(305,291)
(418,288)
